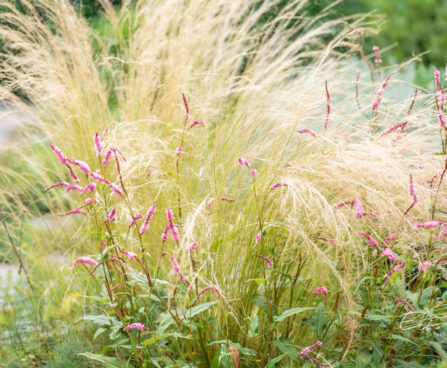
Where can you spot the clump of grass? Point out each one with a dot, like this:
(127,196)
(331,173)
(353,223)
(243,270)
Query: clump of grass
(266,240)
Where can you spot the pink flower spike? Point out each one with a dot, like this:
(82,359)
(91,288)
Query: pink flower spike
(397,268)
(103,244)
(422,267)
(442,232)
(214,288)
(390,237)
(174,232)
(226,199)
(136,326)
(197,122)
(107,156)
(369,239)
(277,185)
(328,107)
(191,247)
(130,255)
(308,349)
(165,234)
(179,151)
(116,189)
(380,92)
(176,268)
(253,174)
(90,187)
(398,127)
(72,174)
(378,60)
(111,216)
(98,144)
(428,225)
(145,226)
(258,238)
(268,261)
(321,290)
(211,202)
(59,184)
(89,201)
(59,154)
(308,131)
(169,215)
(437,76)
(82,165)
(358,208)
(99,178)
(389,254)
(243,162)
(78,210)
(84,260)
(75,187)
(135,219)
(411,191)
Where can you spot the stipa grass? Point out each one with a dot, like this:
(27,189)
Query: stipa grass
(255,263)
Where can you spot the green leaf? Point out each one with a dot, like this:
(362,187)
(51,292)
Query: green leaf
(253,331)
(405,339)
(154,339)
(99,320)
(290,312)
(107,361)
(272,362)
(319,319)
(261,302)
(285,346)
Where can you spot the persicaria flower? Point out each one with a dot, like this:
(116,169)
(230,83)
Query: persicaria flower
(99,178)
(59,154)
(253,174)
(176,268)
(242,161)
(75,187)
(389,254)
(411,191)
(98,144)
(210,202)
(111,216)
(422,267)
(214,288)
(85,260)
(268,261)
(442,232)
(369,239)
(130,255)
(136,326)
(428,225)
(89,201)
(307,131)
(380,92)
(135,219)
(277,185)
(165,234)
(103,244)
(390,237)
(308,349)
(90,187)
(397,268)
(179,151)
(321,290)
(394,128)
(226,199)
(77,210)
(116,189)
(358,208)
(191,247)
(107,156)
(197,122)
(185,103)
(174,232)
(378,60)
(169,215)
(59,184)
(148,218)
(82,165)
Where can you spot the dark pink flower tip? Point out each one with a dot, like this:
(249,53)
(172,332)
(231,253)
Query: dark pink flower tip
(136,326)
(59,184)
(107,156)
(197,122)
(111,216)
(308,349)
(59,154)
(165,234)
(98,144)
(268,261)
(175,265)
(130,255)
(174,232)
(84,260)
(307,131)
(169,215)
(422,267)
(358,208)
(369,239)
(179,151)
(428,225)
(191,247)
(242,161)
(321,290)
(211,202)
(277,185)
(81,165)
(253,174)
(78,210)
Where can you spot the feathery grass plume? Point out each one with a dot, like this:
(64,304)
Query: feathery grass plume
(255,84)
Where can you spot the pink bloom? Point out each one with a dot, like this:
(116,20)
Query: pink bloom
(90,187)
(103,244)
(59,184)
(268,261)
(308,349)
(369,239)
(397,268)
(176,268)
(227,199)
(422,267)
(107,156)
(89,201)
(84,260)
(77,210)
(378,60)
(135,219)
(214,288)
(242,161)
(99,178)
(210,202)
(185,103)
(174,232)
(437,76)
(253,174)
(380,92)
(442,119)
(72,173)
(179,151)
(277,185)
(321,290)
(98,144)
(111,216)
(258,238)
(411,191)
(442,232)
(428,225)
(75,187)
(307,131)
(148,218)
(390,237)
(82,165)
(389,254)
(136,326)
(59,154)
(191,247)
(358,208)
(130,255)
(169,215)
(197,122)
(395,128)
(116,189)
(165,235)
